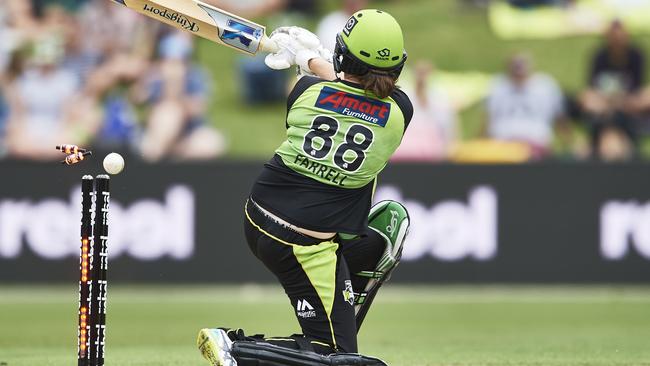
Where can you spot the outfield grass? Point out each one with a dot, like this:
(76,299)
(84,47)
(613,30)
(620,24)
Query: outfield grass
(408,326)
(456,37)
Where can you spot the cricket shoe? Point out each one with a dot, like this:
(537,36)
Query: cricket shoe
(215,346)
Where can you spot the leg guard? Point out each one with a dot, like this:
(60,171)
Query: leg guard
(391,221)
(264,354)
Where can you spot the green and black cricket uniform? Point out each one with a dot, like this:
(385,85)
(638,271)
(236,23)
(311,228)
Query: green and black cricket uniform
(322,178)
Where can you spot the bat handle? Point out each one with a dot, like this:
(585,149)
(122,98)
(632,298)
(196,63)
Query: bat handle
(268,45)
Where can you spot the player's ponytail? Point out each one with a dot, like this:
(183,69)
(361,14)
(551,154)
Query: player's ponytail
(380,85)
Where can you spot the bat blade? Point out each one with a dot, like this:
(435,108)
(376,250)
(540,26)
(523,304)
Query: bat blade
(206,21)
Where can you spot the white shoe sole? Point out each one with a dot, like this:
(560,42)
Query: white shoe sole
(215,346)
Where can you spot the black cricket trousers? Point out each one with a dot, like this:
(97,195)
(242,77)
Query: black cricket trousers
(316,276)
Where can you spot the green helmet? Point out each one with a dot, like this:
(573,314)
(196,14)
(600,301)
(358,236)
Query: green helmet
(371,40)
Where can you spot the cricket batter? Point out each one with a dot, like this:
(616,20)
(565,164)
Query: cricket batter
(309,217)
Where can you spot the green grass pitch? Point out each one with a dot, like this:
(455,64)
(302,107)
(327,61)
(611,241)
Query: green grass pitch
(157,325)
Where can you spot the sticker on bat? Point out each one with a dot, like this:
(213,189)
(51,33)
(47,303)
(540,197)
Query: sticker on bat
(237,33)
(180,19)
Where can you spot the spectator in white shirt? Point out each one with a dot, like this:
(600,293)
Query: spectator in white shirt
(433,131)
(332,23)
(40,99)
(525,106)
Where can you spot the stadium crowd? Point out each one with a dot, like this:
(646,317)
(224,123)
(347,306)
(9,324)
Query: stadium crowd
(67,76)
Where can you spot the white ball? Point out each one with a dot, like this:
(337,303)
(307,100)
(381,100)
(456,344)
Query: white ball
(113,163)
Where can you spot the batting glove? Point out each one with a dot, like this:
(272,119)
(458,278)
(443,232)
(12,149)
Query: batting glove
(297,46)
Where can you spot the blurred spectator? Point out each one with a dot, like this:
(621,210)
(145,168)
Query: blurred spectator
(525,106)
(614,146)
(259,84)
(82,82)
(644,103)
(6,35)
(177,92)
(106,94)
(40,96)
(256,9)
(4,114)
(79,59)
(5,53)
(111,63)
(612,101)
(433,131)
(100,19)
(66,4)
(532,3)
(334,22)
(20,16)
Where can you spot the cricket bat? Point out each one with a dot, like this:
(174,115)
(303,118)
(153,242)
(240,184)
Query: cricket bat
(207,21)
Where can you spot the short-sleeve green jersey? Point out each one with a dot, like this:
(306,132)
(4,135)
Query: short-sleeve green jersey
(339,135)
(338,140)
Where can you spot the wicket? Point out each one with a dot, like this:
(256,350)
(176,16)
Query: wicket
(93,263)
